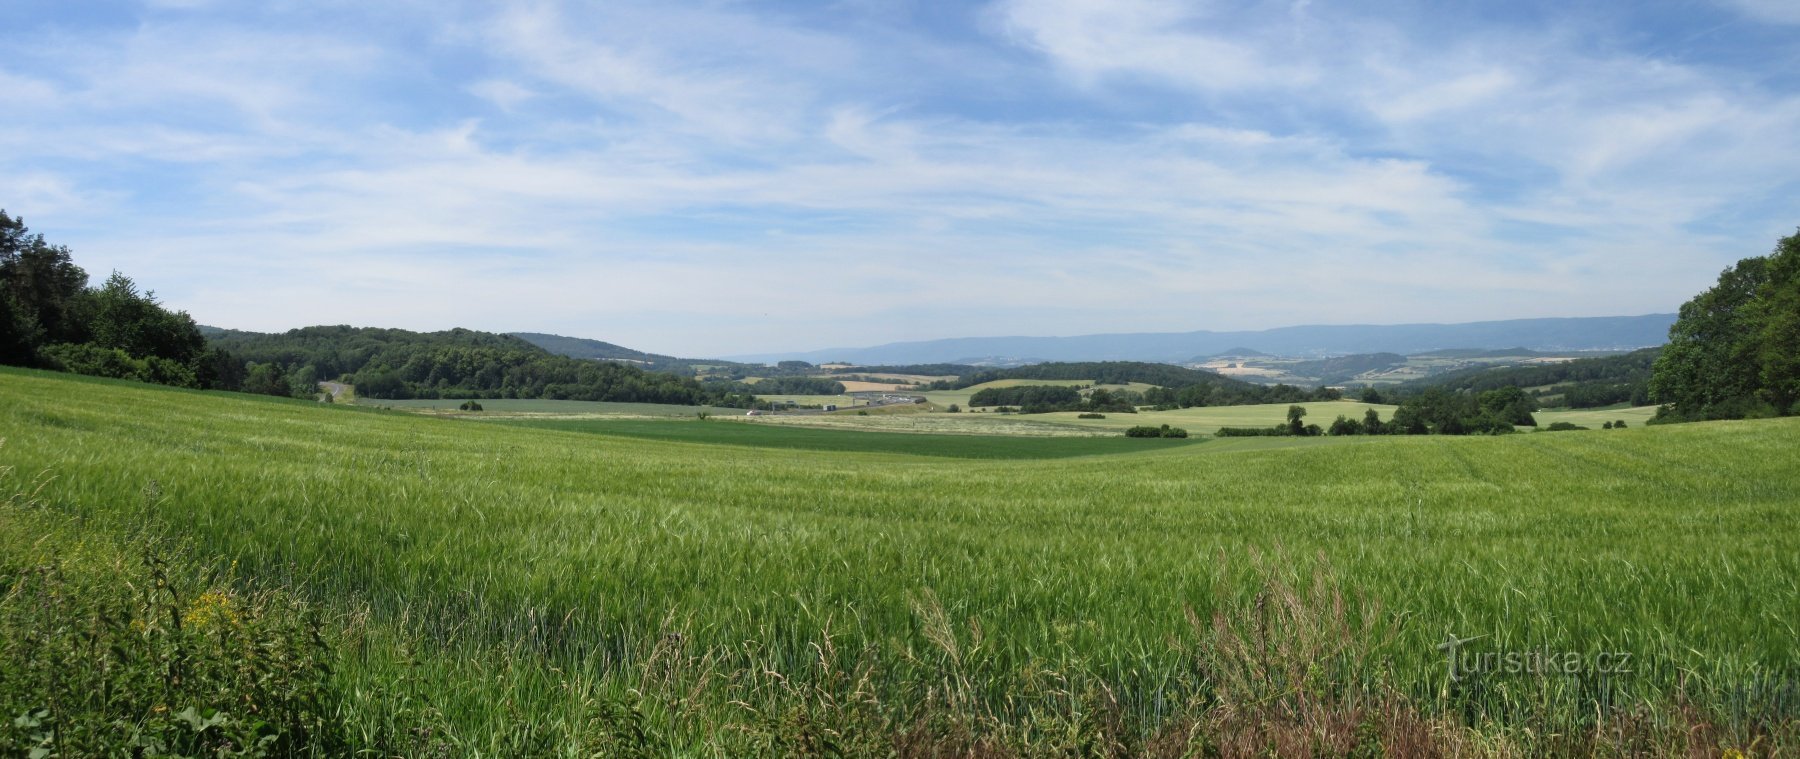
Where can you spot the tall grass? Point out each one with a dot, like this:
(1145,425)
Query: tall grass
(521,591)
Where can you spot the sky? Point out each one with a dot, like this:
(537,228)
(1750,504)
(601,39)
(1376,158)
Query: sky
(719,178)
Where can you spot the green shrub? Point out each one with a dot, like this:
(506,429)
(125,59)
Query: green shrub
(1091,415)
(122,646)
(470,406)
(1148,431)
(1561,427)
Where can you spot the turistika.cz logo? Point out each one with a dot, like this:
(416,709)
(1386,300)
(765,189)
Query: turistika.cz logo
(1466,662)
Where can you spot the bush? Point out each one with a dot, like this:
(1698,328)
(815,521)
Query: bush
(955,409)
(1163,431)
(1561,427)
(124,647)
(1252,432)
(1091,415)
(469,406)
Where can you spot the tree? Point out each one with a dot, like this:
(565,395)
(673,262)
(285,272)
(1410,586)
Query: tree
(1371,395)
(41,293)
(1371,423)
(267,379)
(1711,355)
(1777,308)
(123,318)
(1735,349)
(1509,405)
(1294,415)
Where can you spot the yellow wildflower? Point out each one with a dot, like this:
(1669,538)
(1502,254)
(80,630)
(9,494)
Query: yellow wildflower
(212,608)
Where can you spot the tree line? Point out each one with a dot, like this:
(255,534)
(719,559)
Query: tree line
(1435,411)
(459,363)
(1734,351)
(1581,383)
(51,318)
(1040,399)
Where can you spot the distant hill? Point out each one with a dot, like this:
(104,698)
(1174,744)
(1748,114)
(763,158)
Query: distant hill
(1558,334)
(597,350)
(1581,383)
(1105,373)
(1331,371)
(1238,352)
(581,347)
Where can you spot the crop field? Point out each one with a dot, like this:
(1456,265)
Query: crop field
(1023,425)
(1593,418)
(513,406)
(758,435)
(943,398)
(556,588)
(1206,420)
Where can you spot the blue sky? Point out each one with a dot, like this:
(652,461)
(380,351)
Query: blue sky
(719,178)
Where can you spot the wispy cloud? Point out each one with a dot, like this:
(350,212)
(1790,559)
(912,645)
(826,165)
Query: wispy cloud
(727,178)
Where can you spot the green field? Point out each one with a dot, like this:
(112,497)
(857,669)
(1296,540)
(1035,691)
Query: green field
(503,406)
(1208,419)
(943,398)
(1593,418)
(516,590)
(757,435)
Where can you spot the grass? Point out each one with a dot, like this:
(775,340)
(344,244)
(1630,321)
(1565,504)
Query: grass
(943,398)
(756,435)
(533,406)
(515,590)
(1206,420)
(1593,418)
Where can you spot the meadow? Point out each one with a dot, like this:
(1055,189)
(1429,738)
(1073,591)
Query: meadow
(538,406)
(793,437)
(527,589)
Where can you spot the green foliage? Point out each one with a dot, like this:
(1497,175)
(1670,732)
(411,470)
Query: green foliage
(267,379)
(125,646)
(1735,350)
(476,406)
(1164,431)
(50,318)
(398,365)
(96,361)
(42,294)
(1581,383)
(1031,398)
(1562,427)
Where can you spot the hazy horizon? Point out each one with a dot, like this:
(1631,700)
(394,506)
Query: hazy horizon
(735,178)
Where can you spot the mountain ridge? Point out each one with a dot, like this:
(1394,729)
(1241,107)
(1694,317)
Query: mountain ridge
(1321,340)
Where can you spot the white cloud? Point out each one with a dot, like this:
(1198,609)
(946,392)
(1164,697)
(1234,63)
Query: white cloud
(506,94)
(1098,38)
(684,179)
(1775,11)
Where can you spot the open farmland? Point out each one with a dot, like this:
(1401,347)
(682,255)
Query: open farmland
(1205,420)
(538,406)
(1593,418)
(943,398)
(728,598)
